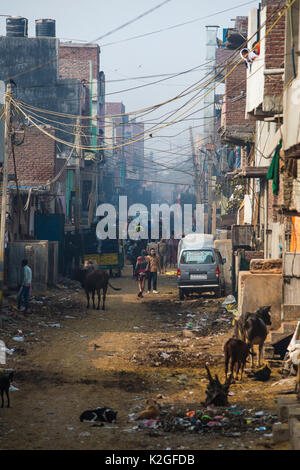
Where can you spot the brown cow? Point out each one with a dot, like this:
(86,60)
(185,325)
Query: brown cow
(92,280)
(236,351)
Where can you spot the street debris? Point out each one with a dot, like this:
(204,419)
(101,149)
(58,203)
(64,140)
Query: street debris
(229,422)
(230,299)
(12,388)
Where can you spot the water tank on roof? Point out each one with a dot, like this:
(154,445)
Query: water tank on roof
(45,28)
(16,26)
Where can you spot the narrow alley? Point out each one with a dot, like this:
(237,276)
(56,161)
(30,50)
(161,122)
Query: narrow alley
(73,359)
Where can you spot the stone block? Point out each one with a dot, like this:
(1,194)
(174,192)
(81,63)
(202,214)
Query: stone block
(258,290)
(281,432)
(266,266)
(295,434)
(285,404)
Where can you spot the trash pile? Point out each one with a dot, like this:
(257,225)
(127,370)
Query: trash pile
(204,316)
(229,422)
(176,358)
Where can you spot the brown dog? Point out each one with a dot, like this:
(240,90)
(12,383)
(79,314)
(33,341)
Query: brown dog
(151,411)
(236,352)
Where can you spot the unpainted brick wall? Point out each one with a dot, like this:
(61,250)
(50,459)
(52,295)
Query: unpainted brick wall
(74,61)
(35,158)
(235,86)
(275,49)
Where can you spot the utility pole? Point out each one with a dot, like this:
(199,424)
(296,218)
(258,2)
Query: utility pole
(77,190)
(209,193)
(196,164)
(7,117)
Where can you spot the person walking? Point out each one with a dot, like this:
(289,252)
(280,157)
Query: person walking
(133,255)
(152,244)
(154,265)
(26,286)
(142,272)
(173,246)
(163,254)
(69,254)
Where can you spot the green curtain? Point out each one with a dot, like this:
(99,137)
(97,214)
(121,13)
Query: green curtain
(273,173)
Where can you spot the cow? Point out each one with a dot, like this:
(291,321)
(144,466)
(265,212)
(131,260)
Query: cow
(93,281)
(236,351)
(252,328)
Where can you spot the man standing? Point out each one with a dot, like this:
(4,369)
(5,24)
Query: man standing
(154,268)
(173,246)
(26,286)
(163,254)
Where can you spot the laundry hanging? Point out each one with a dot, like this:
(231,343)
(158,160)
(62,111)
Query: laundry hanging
(273,173)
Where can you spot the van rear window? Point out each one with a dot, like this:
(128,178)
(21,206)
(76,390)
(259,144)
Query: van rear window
(197,257)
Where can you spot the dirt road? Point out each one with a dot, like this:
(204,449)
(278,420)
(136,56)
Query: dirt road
(72,360)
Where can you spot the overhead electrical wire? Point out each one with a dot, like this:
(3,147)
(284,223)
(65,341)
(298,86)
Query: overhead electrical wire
(177,25)
(162,125)
(142,15)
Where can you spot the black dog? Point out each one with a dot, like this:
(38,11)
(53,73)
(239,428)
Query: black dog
(5,381)
(252,328)
(99,414)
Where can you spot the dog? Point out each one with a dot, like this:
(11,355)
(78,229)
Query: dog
(253,328)
(5,381)
(262,375)
(151,411)
(99,414)
(236,351)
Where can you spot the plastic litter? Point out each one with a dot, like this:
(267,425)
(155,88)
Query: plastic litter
(191,414)
(151,423)
(12,388)
(230,299)
(18,338)
(165,355)
(9,351)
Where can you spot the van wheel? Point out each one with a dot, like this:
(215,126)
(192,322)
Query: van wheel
(181,294)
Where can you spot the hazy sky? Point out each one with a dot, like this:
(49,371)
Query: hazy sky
(167,52)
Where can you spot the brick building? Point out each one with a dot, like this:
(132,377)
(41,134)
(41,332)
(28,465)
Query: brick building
(82,62)
(114,135)
(31,188)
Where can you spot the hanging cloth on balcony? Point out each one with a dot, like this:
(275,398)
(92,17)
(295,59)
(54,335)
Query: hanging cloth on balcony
(273,173)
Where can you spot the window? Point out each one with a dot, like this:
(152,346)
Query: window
(198,257)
